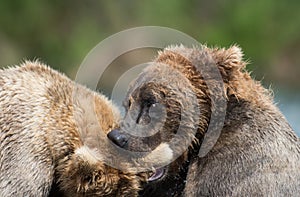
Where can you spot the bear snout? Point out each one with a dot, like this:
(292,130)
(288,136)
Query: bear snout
(118,138)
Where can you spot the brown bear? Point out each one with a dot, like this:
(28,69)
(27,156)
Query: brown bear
(50,137)
(231,139)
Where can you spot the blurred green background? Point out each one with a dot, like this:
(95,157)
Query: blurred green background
(61,33)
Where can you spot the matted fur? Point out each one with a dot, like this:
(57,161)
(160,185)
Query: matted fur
(47,127)
(257,153)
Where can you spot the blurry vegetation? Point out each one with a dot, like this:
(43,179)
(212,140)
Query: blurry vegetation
(61,33)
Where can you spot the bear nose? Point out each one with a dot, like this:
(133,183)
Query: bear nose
(118,138)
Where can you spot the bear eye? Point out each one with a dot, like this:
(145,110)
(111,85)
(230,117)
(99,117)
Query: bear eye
(151,103)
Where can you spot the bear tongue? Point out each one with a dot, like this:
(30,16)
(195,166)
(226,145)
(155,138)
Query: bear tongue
(157,174)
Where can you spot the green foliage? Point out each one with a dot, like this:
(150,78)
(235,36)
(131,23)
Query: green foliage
(61,33)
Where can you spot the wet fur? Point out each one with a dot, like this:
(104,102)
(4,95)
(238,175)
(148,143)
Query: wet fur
(49,135)
(257,152)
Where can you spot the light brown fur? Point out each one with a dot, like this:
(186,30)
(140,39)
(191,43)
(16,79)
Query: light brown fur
(50,138)
(257,152)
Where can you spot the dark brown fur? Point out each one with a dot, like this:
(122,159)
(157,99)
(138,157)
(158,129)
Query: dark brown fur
(257,153)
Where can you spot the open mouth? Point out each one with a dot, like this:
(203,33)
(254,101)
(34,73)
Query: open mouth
(157,174)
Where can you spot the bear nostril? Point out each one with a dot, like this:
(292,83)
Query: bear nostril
(118,138)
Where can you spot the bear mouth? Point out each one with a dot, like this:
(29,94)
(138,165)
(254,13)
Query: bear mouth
(157,174)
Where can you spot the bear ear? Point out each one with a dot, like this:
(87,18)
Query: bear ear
(230,59)
(88,155)
(81,173)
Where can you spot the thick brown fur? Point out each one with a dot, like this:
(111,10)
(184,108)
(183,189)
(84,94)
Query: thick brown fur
(49,137)
(257,152)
